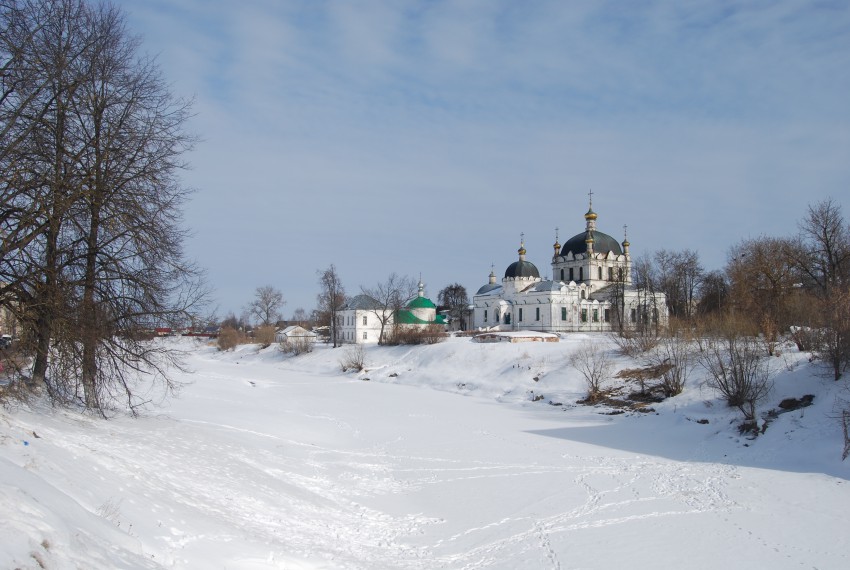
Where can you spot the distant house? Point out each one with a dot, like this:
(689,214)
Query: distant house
(294,333)
(358,321)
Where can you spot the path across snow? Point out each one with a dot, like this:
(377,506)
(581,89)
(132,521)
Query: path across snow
(274,463)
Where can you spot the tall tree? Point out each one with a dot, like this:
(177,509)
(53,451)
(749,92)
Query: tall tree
(679,277)
(95,181)
(824,263)
(266,305)
(331,299)
(617,295)
(128,218)
(762,281)
(646,283)
(456,301)
(825,258)
(713,293)
(44,49)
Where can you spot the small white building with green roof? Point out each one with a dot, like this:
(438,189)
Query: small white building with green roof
(359,321)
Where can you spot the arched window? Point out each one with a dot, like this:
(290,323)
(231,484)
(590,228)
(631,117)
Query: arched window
(600,273)
(581,273)
(562,274)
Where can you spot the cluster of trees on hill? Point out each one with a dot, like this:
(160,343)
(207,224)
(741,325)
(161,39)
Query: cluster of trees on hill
(771,288)
(90,205)
(771,285)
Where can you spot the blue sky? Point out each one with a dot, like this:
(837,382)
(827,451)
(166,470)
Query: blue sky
(424,137)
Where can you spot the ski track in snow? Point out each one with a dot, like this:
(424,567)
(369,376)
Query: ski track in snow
(339,494)
(326,488)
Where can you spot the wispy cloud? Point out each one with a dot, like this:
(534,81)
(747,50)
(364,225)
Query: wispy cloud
(424,136)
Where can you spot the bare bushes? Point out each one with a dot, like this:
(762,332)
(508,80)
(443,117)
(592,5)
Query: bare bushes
(354,359)
(264,335)
(674,358)
(297,345)
(229,338)
(738,370)
(594,364)
(430,334)
(634,343)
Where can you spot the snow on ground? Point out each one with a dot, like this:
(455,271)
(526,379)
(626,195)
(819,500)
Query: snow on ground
(270,461)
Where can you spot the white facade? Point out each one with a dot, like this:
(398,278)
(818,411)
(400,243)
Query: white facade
(294,333)
(585,281)
(358,321)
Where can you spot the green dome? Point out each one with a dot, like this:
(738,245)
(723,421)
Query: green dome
(421,303)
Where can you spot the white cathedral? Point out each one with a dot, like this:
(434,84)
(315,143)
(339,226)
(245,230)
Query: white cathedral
(590,273)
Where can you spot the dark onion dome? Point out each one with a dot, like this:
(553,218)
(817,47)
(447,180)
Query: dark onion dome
(488,287)
(521,268)
(602,243)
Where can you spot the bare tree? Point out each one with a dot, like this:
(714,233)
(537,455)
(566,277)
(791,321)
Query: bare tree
(299,316)
(825,258)
(647,311)
(824,262)
(389,297)
(128,218)
(43,47)
(617,295)
(594,364)
(455,299)
(714,291)
(331,299)
(266,306)
(233,322)
(832,340)
(679,274)
(738,370)
(94,202)
(674,357)
(762,284)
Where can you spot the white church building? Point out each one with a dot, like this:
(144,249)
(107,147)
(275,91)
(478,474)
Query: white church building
(590,285)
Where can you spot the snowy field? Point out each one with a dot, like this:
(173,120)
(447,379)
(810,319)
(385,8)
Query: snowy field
(442,459)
